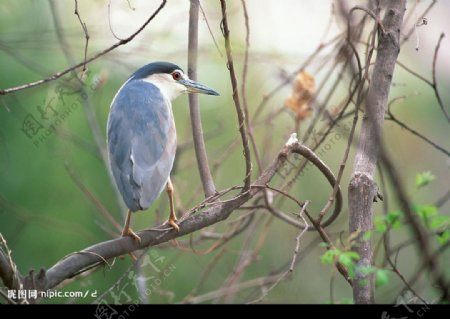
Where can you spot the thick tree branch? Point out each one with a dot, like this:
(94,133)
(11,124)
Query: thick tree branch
(85,61)
(194,105)
(362,188)
(206,214)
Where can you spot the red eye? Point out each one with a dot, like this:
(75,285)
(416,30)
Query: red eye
(176,75)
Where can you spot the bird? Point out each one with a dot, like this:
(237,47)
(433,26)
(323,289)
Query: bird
(141,136)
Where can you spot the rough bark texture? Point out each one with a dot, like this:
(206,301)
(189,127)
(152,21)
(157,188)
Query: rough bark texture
(362,187)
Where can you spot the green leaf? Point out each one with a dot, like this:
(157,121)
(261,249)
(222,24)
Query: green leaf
(439,221)
(393,219)
(381,277)
(352,254)
(424,178)
(444,237)
(426,212)
(328,257)
(346,260)
(380,225)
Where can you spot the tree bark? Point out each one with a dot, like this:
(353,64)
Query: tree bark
(362,188)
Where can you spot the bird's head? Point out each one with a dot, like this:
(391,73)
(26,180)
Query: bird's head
(170,79)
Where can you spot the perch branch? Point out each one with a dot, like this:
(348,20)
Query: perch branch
(200,217)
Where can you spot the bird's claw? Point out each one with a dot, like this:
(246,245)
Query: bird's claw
(129,232)
(172,222)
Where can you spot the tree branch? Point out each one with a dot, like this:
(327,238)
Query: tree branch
(362,187)
(237,102)
(204,215)
(435,84)
(57,75)
(194,105)
(8,269)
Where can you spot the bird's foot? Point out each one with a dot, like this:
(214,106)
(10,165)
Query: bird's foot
(172,222)
(129,232)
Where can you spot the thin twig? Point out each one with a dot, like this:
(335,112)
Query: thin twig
(109,22)
(323,235)
(91,116)
(411,31)
(57,75)
(206,272)
(341,170)
(400,275)
(246,255)
(100,207)
(237,102)
(423,245)
(86,34)
(417,75)
(256,282)
(210,31)
(266,97)
(391,117)
(435,84)
(244,89)
(294,258)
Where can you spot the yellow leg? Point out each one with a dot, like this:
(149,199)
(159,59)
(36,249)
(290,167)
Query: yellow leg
(172,216)
(127,231)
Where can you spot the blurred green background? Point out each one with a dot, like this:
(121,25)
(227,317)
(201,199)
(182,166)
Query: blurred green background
(45,216)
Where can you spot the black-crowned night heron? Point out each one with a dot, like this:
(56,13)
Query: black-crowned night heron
(142,138)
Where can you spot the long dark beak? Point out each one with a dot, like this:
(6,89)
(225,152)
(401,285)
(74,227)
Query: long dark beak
(194,87)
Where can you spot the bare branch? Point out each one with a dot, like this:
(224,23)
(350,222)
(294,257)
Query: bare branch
(244,89)
(341,170)
(293,261)
(237,102)
(210,31)
(57,75)
(8,269)
(86,34)
(194,105)
(411,31)
(435,85)
(256,282)
(391,117)
(204,215)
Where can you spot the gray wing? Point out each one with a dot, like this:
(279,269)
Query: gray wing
(141,143)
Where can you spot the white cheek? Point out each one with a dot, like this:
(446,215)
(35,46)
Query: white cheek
(167,85)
